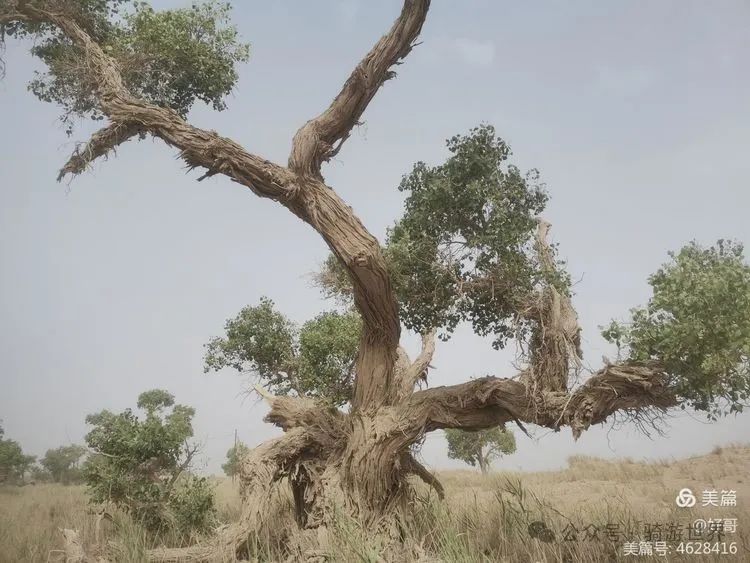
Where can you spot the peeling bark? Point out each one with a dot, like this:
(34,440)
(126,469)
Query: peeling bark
(321,138)
(556,336)
(413,373)
(490,401)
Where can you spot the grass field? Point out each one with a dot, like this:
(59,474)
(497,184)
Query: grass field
(483,518)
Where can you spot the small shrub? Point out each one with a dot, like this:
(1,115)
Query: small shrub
(141,465)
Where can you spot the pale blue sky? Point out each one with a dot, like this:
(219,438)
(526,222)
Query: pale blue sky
(636,114)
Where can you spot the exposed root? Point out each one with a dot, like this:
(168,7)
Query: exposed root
(413,466)
(259,472)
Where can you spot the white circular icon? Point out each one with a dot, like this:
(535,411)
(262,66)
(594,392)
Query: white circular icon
(685,499)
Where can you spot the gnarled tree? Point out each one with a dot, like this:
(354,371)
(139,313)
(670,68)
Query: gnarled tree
(469,248)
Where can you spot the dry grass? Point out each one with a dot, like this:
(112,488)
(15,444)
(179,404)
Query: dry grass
(483,518)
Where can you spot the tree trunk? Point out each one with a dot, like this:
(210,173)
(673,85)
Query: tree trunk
(484,465)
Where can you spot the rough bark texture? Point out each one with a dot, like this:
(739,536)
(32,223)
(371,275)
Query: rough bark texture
(102,143)
(360,461)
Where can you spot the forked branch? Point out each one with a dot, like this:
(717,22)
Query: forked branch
(304,195)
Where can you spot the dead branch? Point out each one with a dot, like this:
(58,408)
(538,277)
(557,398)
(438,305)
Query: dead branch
(101,144)
(555,346)
(301,412)
(417,370)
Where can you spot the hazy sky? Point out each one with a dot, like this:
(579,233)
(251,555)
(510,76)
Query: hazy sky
(636,114)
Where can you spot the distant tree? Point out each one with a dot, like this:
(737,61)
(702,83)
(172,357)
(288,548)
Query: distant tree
(234,457)
(141,465)
(13,462)
(480,447)
(63,464)
(39,474)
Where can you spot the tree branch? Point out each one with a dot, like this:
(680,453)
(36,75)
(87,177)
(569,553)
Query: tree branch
(198,147)
(555,346)
(638,389)
(100,144)
(305,195)
(417,370)
(321,138)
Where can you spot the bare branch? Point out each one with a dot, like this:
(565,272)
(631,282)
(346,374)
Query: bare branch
(542,245)
(417,370)
(100,144)
(267,396)
(293,412)
(321,138)
(555,346)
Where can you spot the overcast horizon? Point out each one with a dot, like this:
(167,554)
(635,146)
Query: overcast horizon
(635,114)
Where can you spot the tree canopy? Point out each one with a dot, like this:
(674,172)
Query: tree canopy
(13,462)
(463,249)
(316,359)
(697,325)
(171,58)
(63,464)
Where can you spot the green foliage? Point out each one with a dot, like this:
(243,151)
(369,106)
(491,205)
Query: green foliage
(62,464)
(327,351)
(315,360)
(192,506)
(13,462)
(139,464)
(234,457)
(464,248)
(259,339)
(697,325)
(172,58)
(480,447)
